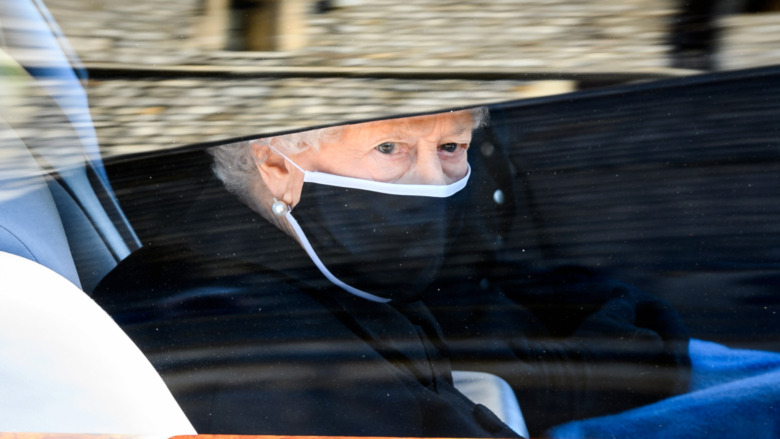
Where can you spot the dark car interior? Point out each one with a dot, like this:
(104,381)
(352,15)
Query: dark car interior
(668,185)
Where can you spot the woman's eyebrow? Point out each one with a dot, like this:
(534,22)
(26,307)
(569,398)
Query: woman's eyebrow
(393,134)
(399,128)
(404,130)
(465,130)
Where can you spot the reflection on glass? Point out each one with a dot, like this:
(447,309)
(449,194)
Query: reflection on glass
(350,269)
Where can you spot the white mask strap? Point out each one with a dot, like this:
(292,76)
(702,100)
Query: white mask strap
(287,158)
(419,190)
(324,270)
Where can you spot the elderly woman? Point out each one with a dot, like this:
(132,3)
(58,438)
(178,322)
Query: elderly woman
(326,302)
(365,201)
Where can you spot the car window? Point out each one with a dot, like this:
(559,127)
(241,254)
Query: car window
(445,219)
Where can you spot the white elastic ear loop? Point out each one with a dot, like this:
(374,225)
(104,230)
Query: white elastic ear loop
(324,270)
(287,158)
(437,191)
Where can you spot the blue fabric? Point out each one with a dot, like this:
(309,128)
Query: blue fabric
(733,393)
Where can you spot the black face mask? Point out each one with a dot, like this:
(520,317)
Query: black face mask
(379,241)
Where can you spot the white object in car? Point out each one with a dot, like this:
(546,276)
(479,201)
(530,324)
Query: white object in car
(494,393)
(67,367)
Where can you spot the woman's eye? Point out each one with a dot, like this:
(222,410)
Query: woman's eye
(386,148)
(449,147)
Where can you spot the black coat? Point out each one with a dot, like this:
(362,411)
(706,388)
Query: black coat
(252,339)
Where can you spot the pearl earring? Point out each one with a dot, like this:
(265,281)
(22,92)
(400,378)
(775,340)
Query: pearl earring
(279,208)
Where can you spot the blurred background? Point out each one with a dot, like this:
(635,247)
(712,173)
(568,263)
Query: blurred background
(174,72)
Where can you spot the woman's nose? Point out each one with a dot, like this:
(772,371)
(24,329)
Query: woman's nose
(429,170)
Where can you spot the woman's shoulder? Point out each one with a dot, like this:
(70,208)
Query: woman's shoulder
(171,279)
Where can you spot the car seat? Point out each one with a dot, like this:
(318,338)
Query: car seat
(56,205)
(67,367)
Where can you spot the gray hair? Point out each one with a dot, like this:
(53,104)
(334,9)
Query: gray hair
(235,164)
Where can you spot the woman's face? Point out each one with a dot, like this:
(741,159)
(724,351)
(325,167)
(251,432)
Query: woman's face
(427,149)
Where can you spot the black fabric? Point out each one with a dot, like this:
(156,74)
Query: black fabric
(362,236)
(252,339)
(571,344)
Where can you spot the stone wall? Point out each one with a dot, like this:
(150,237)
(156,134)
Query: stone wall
(136,31)
(552,34)
(140,112)
(749,40)
(147,114)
